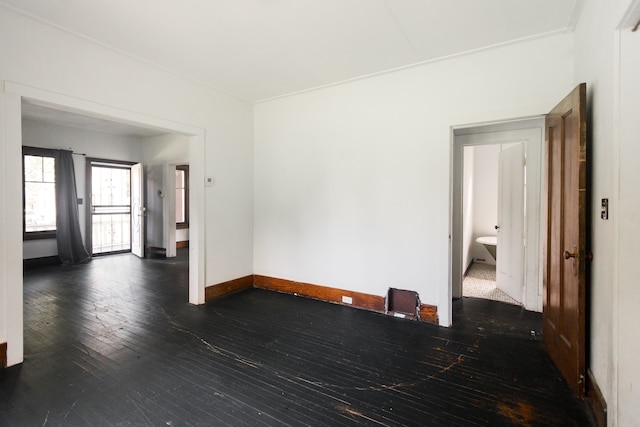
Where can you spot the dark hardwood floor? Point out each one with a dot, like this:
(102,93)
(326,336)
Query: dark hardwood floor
(114,342)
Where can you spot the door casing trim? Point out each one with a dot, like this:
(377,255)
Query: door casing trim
(530,129)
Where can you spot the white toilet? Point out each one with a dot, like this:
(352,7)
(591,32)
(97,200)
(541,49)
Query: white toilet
(491,243)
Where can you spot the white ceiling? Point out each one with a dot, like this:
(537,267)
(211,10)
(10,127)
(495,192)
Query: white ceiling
(259,49)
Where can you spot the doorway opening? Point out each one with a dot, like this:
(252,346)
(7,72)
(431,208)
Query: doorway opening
(493,209)
(16,96)
(109,228)
(516,235)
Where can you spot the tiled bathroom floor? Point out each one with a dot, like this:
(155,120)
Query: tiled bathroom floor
(480,282)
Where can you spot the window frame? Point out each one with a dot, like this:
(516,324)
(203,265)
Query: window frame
(185,223)
(34,235)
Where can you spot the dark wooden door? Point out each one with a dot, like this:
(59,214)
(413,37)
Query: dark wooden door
(566,259)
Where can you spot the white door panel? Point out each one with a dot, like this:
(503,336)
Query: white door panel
(137,211)
(509,261)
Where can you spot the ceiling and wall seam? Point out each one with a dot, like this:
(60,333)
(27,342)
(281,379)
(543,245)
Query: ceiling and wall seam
(419,64)
(121,51)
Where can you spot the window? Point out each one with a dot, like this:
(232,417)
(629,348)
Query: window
(39,193)
(182,196)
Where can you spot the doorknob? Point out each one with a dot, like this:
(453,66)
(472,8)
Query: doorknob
(576,258)
(496,227)
(588,255)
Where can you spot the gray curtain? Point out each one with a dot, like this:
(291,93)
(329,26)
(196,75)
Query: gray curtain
(71,249)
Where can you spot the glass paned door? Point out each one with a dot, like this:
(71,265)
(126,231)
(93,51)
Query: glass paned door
(110,208)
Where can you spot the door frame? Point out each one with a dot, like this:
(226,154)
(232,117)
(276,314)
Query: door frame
(89,199)
(13,95)
(530,129)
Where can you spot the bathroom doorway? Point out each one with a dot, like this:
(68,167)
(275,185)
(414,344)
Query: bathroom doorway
(488,141)
(493,216)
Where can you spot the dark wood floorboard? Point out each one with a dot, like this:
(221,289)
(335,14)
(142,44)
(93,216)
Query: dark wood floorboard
(114,342)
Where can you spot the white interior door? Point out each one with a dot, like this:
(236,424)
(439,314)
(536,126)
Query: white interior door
(137,211)
(509,261)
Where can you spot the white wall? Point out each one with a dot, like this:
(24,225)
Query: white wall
(182,235)
(352,181)
(485,198)
(608,61)
(628,310)
(595,63)
(43,59)
(93,144)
